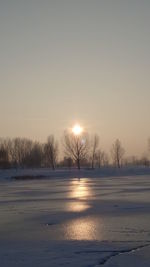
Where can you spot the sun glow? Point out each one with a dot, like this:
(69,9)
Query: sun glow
(77,129)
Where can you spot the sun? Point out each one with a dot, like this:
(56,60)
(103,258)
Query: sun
(77,129)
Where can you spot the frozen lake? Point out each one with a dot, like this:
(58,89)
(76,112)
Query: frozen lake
(69,222)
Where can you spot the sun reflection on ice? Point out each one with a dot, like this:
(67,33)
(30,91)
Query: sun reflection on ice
(82,228)
(77,206)
(80,189)
(86,228)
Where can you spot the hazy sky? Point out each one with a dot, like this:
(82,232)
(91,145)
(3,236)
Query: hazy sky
(63,61)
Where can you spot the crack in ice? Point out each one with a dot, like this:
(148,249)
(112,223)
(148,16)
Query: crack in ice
(113,253)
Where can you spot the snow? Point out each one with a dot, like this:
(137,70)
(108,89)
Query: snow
(72,218)
(71,173)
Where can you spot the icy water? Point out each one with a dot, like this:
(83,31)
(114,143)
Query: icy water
(76,209)
(87,222)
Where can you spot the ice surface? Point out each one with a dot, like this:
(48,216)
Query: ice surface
(67,221)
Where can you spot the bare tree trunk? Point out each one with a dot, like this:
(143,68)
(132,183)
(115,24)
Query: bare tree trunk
(117,153)
(78,164)
(94,145)
(92,164)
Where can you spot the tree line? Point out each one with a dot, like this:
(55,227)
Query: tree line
(25,153)
(78,151)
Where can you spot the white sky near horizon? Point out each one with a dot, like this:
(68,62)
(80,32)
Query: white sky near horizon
(67,61)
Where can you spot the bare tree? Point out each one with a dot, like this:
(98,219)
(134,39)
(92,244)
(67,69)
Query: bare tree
(20,151)
(15,149)
(94,146)
(101,158)
(51,151)
(131,161)
(76,147)
(144,161)
(35,158)
(105,159)
(27,147)
(149,146)
(117,153)
(67,162)
(4,157)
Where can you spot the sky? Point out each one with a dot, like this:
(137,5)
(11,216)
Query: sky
(68,61)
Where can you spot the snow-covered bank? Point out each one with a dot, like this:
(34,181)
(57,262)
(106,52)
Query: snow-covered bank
(66,173)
